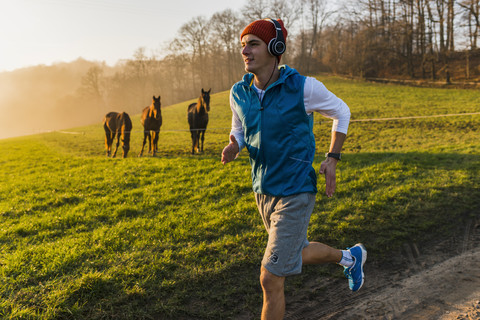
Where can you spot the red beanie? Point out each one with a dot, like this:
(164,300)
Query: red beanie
(264,29)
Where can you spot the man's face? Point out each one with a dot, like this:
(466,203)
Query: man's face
(255,54)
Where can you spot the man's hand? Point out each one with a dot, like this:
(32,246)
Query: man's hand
(230,151)
(328,168)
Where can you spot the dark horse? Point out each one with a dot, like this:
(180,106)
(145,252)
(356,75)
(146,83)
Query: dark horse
(198,119)
(151,121)
(118,124)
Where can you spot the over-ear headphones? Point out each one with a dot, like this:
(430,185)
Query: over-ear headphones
(277,45)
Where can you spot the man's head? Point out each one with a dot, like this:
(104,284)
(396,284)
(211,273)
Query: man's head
(263,40)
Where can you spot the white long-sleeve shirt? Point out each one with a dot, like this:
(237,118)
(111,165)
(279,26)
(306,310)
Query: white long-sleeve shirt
(316,98)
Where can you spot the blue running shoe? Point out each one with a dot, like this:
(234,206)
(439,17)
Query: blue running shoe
(354,273)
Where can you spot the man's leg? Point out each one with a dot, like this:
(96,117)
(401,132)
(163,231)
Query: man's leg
(273,295)
(317,253)
(351,259)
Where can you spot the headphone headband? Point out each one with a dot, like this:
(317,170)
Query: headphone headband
(277,46)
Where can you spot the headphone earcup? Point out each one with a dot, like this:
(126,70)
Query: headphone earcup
(270,47)
(276,47)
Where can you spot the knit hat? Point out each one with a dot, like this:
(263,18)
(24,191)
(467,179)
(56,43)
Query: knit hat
(264,29)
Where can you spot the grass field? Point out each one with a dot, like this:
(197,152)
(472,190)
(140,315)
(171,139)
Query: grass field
(178,236)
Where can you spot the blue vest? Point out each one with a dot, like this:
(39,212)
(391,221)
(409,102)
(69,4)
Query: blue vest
(278,134)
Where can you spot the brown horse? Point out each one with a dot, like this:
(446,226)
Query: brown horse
(118,124)
(198,119)
(151,121)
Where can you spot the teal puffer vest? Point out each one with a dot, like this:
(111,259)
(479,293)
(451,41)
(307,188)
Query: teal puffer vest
(278,134)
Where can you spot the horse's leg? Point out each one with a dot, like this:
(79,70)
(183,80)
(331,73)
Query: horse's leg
(156,136)
(150,142)
(107,143)
(110,142)
(192,134)
(144,140)
(203,138)
(107,139)
(197,141)
(118,142)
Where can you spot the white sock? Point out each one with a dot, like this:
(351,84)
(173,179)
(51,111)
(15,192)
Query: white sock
(347,259)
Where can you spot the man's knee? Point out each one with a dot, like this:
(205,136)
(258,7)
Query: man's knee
(271,282)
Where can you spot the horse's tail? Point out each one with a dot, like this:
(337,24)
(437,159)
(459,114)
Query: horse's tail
(127,121)
(127,127)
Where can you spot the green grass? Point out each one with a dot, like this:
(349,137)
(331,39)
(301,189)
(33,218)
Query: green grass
(178,236)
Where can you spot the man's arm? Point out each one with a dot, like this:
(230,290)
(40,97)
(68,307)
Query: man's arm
(328,167)
(318,98)
(231,151)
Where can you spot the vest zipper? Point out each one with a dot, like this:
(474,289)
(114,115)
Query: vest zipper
(261,133)
(261,140)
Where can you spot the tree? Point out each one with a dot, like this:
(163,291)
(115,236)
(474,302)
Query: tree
(255,10)
(471,12)
(318,14)
(226,28)
(193,37)
(138,70)
(91,83)
(288,11)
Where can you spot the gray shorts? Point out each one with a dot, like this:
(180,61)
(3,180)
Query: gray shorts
(286,220)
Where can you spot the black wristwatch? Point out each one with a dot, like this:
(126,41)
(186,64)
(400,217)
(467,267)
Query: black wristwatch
(337,156)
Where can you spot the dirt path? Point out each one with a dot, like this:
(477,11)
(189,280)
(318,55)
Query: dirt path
(441,282)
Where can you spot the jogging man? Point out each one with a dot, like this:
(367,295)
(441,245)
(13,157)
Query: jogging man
(272,117)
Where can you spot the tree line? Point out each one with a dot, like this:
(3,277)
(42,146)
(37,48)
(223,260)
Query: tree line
(426,39)
(407,39)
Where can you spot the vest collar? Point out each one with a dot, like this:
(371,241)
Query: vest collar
(285,71)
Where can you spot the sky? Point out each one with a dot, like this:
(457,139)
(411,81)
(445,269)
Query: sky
(34,32)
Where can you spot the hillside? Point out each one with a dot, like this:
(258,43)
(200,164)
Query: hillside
(178,236)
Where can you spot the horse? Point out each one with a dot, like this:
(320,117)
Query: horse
(151,121)
(198,119)
(118,124)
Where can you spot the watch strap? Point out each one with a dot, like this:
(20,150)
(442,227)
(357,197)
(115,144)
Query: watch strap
(337,156)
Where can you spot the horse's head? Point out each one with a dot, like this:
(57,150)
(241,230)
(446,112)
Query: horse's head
(155,110)
(206,98)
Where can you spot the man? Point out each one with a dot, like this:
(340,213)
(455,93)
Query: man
(272,117)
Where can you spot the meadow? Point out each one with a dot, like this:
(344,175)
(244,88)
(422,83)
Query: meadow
(178,236)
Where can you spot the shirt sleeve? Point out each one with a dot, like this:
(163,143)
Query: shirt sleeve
(317,98)
(237,128)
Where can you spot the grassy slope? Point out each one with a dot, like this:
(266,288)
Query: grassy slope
(179,236)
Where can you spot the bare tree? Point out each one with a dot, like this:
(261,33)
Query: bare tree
(288,11)
(138,69)
(255,10)
(226,29)
(193,36)
(471,12)
(91,83)
(177,68)
(318,14)
(431,35)
(450,25)
(421,39)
